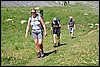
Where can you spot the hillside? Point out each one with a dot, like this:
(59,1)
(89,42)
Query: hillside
(83,50)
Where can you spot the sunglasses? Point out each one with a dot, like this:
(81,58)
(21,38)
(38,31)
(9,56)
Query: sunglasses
(55,20)
(33,12)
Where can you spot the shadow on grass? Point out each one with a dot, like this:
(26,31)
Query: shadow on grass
(73,37)
(51,52)
(61,45)
(54,50)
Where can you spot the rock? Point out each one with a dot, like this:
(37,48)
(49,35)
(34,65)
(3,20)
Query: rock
(9,19)
(23,21)
(47,22)
(85,14)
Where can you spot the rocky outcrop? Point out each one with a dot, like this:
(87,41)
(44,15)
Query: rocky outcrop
(29,3)
(94,4)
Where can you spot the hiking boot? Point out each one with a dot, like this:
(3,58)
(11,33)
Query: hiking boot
(72,37)
(42,54)
(38,55)
(58,44)
(54,45)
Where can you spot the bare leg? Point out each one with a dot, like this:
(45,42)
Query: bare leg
(71,34)
(54,36)
(59,39)
(40,44)
(41,47)
(36,43)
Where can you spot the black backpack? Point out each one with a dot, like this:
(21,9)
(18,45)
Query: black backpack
(41,13)
(55,24)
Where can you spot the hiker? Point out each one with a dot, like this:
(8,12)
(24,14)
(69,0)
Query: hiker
(56,30)
(71,26)
(36,22)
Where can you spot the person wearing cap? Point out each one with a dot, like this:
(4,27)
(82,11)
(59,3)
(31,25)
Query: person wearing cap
(36,22)
(56,31)
(71,26)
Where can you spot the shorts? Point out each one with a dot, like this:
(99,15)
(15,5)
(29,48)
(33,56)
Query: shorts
(71,29)
(38,35)
(56,31)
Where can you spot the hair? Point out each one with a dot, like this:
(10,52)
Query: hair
(33,9)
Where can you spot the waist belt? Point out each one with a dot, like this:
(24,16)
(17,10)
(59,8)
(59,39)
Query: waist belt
(36,29)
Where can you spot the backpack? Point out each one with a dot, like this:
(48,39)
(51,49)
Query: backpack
(55,24)
(41,13)
(58,20)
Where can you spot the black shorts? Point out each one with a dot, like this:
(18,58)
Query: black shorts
(56,31)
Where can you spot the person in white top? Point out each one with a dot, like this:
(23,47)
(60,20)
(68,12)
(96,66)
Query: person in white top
(37,33)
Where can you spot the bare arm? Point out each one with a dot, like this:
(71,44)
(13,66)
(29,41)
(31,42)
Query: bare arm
(28,26)
(59,25)
(74,26)
(41,20)
(51,26)
(68,26)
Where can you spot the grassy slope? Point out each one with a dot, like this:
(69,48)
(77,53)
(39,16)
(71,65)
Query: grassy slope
(16,50)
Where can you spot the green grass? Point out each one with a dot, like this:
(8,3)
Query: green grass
(83,50)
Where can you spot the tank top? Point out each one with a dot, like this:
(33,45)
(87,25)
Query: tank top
(35,23)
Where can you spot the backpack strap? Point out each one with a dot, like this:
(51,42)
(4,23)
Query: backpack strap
(30,19)
(38,17)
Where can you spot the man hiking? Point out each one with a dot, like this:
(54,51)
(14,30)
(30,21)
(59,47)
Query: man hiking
(56,30)
(37,22)
(71,26)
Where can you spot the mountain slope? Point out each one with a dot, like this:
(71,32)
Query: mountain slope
(83,50)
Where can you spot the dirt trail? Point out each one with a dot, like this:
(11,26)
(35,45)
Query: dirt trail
(94,30)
